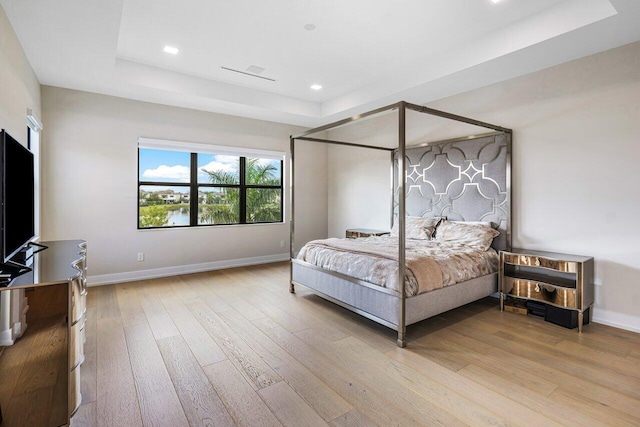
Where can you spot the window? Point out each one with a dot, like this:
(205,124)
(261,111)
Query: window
(33,143)
(204,187)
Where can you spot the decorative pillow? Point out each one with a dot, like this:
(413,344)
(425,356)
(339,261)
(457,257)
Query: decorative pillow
(473,234)
(418,227)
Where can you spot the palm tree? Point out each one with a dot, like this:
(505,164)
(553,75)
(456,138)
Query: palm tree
(263,205)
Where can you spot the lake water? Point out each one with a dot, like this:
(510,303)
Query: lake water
(179,217)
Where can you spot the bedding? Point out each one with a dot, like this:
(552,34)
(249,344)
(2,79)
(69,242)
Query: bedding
(375,260)
(418,227)
(476,234)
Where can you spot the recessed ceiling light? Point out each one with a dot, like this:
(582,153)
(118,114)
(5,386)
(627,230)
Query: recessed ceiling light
(309,27)
(316,87)
(495,1)
(170,49)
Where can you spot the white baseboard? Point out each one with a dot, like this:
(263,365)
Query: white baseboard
(617,320)
(6,337)
(129,276)
(18,329)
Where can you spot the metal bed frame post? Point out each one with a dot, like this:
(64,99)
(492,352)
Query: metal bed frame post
(509,137)
(292,143)
(402,328)
(502,296)
(393,154)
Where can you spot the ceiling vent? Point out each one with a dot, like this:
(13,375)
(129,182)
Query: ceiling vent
(254,69)
(249,73)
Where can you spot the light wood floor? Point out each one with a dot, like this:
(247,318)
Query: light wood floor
(234,347)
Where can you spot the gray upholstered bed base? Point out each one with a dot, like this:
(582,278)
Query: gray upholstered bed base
(382,305)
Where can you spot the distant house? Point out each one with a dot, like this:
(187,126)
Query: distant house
(172,198)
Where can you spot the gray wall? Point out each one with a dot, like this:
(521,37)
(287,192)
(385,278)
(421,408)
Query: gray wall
(90,185)
(575,155)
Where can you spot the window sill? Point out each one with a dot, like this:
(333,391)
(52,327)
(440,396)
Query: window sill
(200,227)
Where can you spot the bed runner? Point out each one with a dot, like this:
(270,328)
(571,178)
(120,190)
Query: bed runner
(425,270)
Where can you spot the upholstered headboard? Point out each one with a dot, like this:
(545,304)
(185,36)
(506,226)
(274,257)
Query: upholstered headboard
(463,180)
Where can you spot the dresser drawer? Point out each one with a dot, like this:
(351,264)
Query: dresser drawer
(77,301)
(76,345)
(522,288)
(75,398)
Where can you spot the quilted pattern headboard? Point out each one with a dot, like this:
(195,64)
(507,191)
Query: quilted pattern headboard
(463,180)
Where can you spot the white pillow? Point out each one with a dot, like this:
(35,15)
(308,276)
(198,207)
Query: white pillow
(472,234)
(417,227)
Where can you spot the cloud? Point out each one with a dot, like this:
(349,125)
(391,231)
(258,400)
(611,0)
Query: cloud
(218,165)
(226,159)
(177,173)
(181,173)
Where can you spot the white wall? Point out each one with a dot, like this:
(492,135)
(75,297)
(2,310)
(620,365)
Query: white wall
(576,148)
(360,194)
(90,185)
(19,91)
(311,193)
(19,86)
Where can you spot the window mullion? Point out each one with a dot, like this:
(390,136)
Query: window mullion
(193,198)
(243,191)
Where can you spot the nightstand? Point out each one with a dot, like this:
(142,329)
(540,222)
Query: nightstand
(560,280)
(354,233)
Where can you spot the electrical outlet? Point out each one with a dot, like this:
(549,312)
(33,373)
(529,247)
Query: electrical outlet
(282,243)
(140,256)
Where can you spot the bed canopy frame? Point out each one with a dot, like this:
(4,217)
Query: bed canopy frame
(398,159)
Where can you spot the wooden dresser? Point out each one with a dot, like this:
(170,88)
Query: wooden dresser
(41,371)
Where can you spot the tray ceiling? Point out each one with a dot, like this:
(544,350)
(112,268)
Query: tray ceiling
(364,53)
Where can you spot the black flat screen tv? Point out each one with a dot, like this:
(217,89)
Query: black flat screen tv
(17,197)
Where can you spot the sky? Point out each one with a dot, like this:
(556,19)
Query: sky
(174,166)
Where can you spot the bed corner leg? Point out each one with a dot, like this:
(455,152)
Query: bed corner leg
(292,288)
(402,340)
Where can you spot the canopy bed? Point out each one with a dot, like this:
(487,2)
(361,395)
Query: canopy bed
(450,212)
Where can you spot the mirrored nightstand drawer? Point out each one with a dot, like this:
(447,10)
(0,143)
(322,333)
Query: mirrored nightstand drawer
(558,296)
(354,233)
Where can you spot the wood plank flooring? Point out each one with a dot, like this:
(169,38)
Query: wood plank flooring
(234,347)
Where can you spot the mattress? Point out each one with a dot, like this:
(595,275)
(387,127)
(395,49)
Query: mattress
(451,262)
